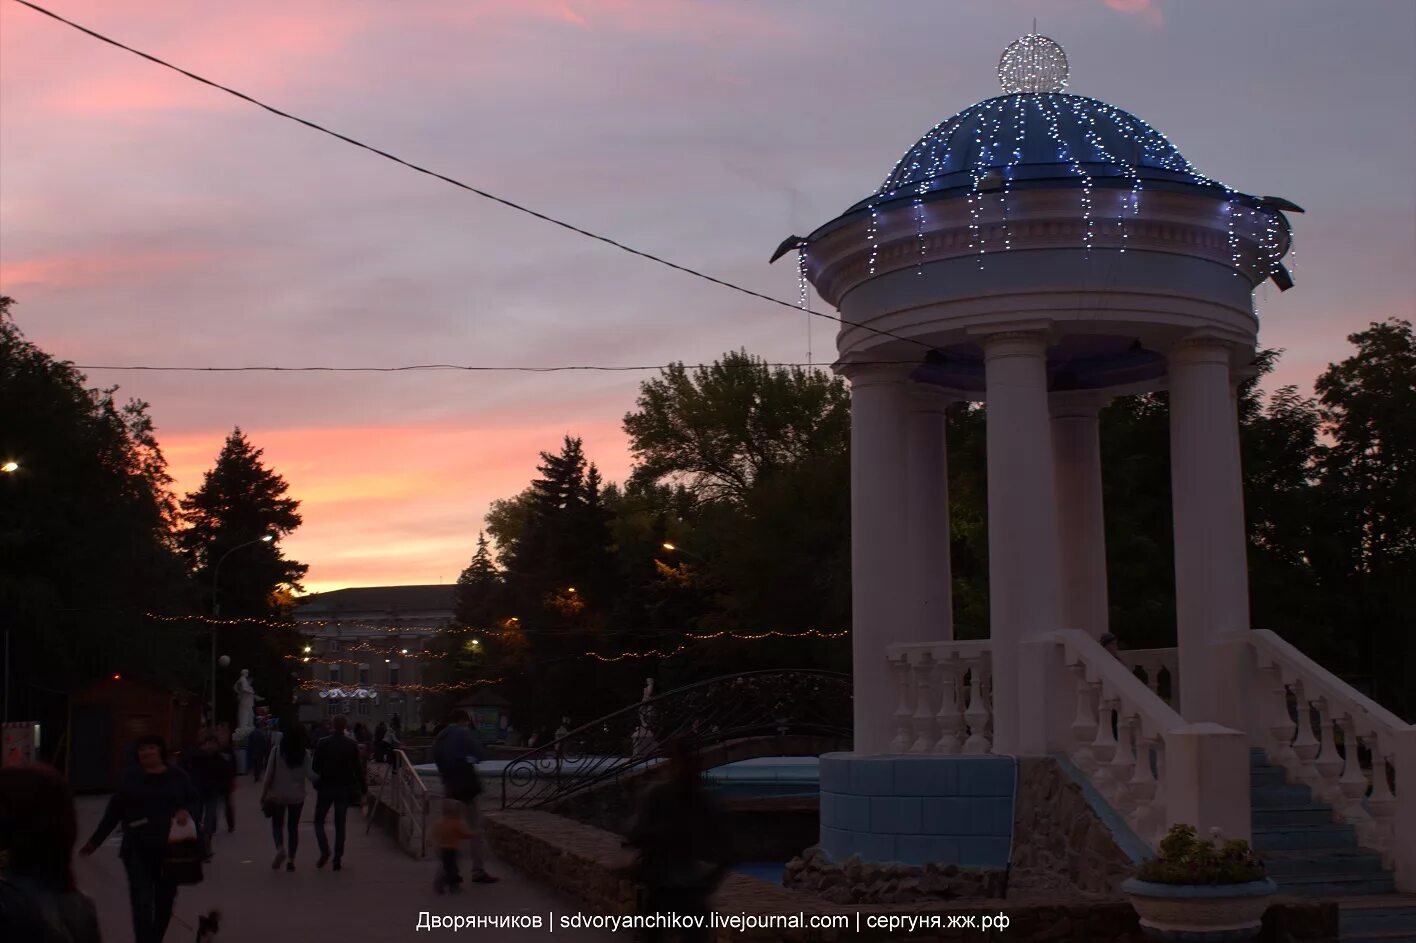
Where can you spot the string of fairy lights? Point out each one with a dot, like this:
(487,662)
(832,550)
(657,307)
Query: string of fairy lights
(423,654)
(963,152)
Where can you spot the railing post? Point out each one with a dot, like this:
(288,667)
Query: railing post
(1206,779)
(923,669)
(950,719)
(1403,835)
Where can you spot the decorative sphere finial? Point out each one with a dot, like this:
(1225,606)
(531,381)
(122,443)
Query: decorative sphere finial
(1033,63)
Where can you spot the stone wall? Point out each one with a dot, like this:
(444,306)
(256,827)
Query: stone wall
(579,861)
(1060,840)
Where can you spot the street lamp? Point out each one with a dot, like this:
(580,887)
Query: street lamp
(10,467)
(216,610)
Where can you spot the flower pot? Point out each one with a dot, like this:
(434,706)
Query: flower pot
(1200,913)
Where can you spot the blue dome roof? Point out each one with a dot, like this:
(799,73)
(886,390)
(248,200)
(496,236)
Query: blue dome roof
(1037,136)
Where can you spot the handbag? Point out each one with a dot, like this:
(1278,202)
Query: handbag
(182,857)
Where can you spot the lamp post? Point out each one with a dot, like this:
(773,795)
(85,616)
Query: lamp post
(216,610)
(675,548)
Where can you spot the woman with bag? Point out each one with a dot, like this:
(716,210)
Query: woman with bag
(283,793)
(154,804)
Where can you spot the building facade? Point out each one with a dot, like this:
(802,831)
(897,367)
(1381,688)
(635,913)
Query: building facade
(365,651)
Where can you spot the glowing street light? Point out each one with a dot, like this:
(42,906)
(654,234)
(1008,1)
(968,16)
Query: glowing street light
(570,589)
(10,467)
(307,649)
(668,546)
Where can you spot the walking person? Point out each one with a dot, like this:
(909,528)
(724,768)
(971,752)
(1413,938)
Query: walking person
(228,794)
(452,831)
(283,793)
(339,778)
(456,752)
(147,804)
(682,837)
(211,777)
(38,828)
(380,746)
(258,745)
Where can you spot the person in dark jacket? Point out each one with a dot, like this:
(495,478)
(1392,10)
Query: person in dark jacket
(38,829)
(380,746)
(210,772)
(146,805)
(682,837)
(258,750)
(456,751)
(339,781)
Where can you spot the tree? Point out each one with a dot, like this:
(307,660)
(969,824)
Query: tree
(1367,551)
(478,588)
(86,547)
(720,428)
(239,502)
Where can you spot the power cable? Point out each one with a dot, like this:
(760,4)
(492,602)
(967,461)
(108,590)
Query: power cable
(448,366)
(455,182)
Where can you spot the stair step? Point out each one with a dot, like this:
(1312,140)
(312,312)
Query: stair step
(1334,885)
(1312,813)
(1377,923)
(1267,776)
(1280,864)
(1289,794)
(1298,837)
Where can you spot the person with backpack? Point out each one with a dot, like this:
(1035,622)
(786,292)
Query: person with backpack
(339,781)
(456,752)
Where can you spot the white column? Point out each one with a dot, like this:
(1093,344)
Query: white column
(1076,457)
(931,597)
(1024,581)
(1211,567)
(880,576)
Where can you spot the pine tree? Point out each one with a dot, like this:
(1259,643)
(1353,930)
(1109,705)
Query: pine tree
(479,588)
(240,501)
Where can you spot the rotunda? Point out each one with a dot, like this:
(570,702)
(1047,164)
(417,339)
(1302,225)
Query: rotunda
(1042,252)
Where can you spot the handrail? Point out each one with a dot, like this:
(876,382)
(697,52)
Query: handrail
(1318,726)
(731,707)
(1117,678)
(1279,649)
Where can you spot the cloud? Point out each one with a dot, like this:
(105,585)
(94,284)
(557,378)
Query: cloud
(66,271)
(1150,9)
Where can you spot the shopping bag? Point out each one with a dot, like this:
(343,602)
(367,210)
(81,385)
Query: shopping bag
(182,858)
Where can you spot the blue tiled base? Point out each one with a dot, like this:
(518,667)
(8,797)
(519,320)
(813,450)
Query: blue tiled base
(918,809)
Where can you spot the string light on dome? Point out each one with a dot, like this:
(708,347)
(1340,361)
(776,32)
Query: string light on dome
(870,235)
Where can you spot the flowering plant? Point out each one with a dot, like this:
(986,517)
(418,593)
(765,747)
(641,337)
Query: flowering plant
(1185,858)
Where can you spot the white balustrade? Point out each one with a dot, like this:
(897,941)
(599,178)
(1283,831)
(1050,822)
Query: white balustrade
(1329,759)
(1118,732)
(944,706)
(1151,662)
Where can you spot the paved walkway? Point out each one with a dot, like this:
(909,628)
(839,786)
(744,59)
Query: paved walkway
(377,897)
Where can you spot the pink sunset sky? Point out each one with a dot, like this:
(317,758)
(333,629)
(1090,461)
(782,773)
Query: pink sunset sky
(145,219)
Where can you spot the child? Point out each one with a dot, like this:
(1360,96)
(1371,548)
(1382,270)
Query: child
(451,831)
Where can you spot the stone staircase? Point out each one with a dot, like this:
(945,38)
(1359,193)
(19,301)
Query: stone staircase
(1310,854)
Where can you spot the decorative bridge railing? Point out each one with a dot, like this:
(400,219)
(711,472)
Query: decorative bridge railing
(778,703)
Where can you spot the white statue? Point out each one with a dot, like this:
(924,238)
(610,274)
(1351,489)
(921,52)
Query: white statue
(246,698)
(642,740)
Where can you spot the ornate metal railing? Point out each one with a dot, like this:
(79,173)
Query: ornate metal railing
(757,704)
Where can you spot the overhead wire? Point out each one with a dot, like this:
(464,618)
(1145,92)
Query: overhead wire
(448,366)
(511,204)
